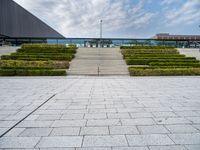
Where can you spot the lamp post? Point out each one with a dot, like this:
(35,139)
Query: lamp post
(101,32)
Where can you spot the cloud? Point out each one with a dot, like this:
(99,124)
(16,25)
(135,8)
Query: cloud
(168,2)
(188,13)
(80,18)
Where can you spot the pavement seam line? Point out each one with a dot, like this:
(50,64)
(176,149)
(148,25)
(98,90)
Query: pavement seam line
(27,116)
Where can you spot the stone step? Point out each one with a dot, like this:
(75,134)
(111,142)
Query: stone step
(95,61)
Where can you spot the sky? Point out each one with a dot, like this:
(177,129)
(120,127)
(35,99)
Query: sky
(121,18)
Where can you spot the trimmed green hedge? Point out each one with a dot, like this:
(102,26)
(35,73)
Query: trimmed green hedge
(54,46)
(146,47)
(37,57)
(148,61)
(165,72)
(154,55)
(150,51)
(22,72)
(175,64)
(46,50)
(163,58)
(34,64)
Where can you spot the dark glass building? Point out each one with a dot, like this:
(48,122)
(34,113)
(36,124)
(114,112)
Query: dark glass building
(18,26)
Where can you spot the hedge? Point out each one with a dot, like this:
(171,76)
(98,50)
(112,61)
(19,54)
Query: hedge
(43,46)
(18,72)
(175,64)
(42,54)
(165,72)
(46,50)
(150,51)
(35,57)
(148,61)
(154,55)
(34,64)
(163,58)
(146,47)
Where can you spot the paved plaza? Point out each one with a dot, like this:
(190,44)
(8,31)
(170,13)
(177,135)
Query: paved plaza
(100,113)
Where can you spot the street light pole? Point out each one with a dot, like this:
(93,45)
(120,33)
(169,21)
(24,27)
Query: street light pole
(101,32)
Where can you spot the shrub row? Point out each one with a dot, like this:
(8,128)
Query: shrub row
(148,61)
(175,64)
(34,64)
(26,46)
(155,55)
(150,51)
(37,57)
(180,58)
(164,72)
(23,72)
(46,50)
(146,47)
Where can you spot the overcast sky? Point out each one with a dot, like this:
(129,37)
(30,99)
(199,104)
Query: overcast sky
(121,18)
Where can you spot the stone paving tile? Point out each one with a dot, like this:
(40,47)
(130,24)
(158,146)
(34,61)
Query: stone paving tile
(104,122)
(18,142)
(35,124)
(121,130)
(72,116)
(167,148)
(60,142)
(35,132)
(96,116)
(194,119)
(2,130)
(65,131)
(181,129)
(130,148)
(141,115)
(48,117)
(15,132)
(145,140)
(164,114)
(138,121)
(193,138)
(94,131)
(159,129)
(118,115)
(94,148)
(193,147)
(104,141)
(7,124)
(172,121)
(69,123)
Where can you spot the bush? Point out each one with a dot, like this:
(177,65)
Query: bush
(46,50)
(146,47)
(148,61)
(37,57)
(175,64)
(32,46)
(154,55)
(165,72)
(34,64)
(16,72)
(73,46)
(150,51)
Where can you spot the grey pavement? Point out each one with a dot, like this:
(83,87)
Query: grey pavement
(100,113)
(5,50)
(102,61)
(190,52)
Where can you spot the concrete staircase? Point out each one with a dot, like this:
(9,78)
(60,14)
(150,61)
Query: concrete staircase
(98,61)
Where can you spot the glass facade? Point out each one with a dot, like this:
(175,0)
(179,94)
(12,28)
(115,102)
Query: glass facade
(95,42)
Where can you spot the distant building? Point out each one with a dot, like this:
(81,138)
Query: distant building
(167,36)
(16,22)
